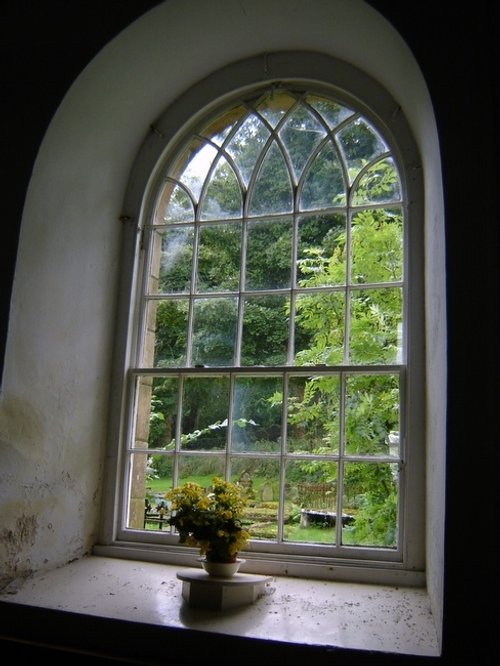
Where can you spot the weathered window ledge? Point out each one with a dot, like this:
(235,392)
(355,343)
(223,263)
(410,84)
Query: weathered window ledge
(147,597)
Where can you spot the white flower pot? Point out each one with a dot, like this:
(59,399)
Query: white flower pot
(221,569)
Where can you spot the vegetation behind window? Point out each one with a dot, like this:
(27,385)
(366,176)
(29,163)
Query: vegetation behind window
(272,327)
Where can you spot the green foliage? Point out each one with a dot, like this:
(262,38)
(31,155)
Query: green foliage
(376,520)
(171,333)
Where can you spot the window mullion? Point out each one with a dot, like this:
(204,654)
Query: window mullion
(340,467)
(283,458)
(192,291)
(241,300)
(347,304)
(229,434)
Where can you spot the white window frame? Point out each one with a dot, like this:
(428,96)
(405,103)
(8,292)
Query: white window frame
(354,88)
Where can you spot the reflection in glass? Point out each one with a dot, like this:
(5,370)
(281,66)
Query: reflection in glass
(301,133)
(222,198)
(273,191)
(371,413)
(174,205)
(331,112)
(256,415)
(324,185)
(197,162)
(246,145)
(214,331)
(375,324)
(360,144)
(275,104)
(313,424)
(218,129)
(265,330)
(370,500)
(310,500)
(175,249)
(269,254)
(219,258)
(205,408)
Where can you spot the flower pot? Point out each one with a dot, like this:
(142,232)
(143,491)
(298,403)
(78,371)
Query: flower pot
(221,569)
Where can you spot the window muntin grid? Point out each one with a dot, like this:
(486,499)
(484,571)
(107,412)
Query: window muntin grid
(279,198)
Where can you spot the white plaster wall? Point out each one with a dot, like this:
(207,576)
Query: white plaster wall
(54,402)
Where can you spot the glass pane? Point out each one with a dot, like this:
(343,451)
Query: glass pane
(300,134)
(205,408)
(260,479)
(310,501)
(246,145)
(394,444)
(324,185)
(174,205)
(375,326)
(156,402)
(370,504)
(273,191)
(160,470)
(319,328)
(196,163)
(313,424)
(171,260)
(269,255)
(219,128)
(380,184)
(256,415)
(321,251)
(219,258)
(360,144)
(332,113)
(147,507)
(275,104)
(377,246)
(200,469)
(222,198)
(371,413)
(214,331)
(265,331)
(166,335)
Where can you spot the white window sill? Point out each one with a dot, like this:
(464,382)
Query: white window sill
(293,611)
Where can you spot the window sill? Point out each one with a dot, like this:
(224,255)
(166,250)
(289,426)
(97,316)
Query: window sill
(292,611)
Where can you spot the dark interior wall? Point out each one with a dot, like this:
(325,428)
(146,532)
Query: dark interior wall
(45,45)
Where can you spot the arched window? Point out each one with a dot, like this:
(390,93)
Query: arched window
(272,327)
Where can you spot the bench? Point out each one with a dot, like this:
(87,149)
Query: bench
(323,518)
(158,519)
(157,515)
(318,502)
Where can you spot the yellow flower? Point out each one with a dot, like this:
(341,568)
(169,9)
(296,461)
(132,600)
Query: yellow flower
(209,519)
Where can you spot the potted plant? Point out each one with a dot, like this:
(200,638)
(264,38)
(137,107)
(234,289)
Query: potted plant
(211,520)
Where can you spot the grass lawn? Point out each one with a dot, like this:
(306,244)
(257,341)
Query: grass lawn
(265,528)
